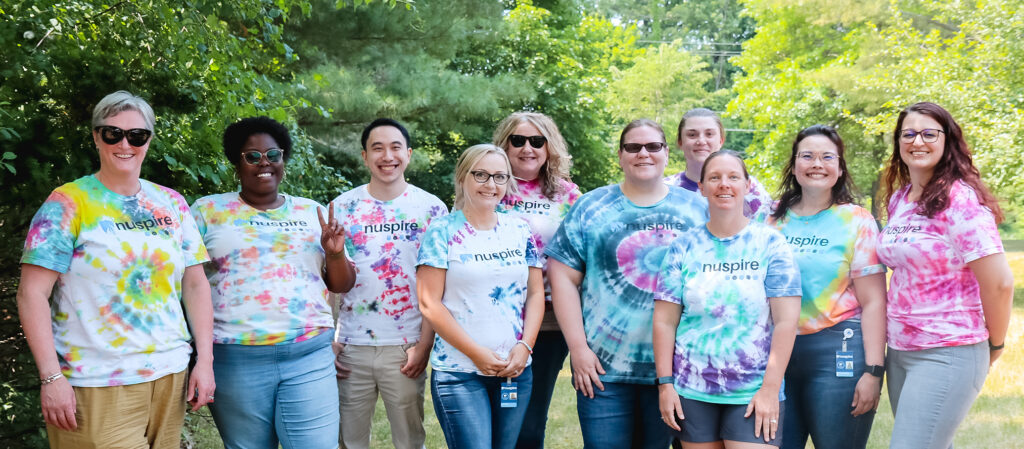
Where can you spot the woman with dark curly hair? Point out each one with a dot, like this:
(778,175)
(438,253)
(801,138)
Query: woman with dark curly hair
(273,259)
(951,289)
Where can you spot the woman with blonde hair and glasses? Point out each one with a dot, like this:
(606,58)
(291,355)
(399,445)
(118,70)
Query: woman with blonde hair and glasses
(540,164)
(479,285)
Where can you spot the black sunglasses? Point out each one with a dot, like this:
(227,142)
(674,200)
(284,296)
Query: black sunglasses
(535,141)
(112,135)
(652,147)
(253,157)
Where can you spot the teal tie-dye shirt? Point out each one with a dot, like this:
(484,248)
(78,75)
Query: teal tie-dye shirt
(619,247)
(117,315)
(725,331)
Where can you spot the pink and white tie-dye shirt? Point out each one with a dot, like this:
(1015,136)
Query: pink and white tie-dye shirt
(265,270)
(117,315)
(934,298)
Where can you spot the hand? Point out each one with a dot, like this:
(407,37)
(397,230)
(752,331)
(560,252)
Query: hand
(668,403)
(585,371)
(332,234)
(765,406)
(865,396)
(58,401)
(488,362)
(993,355)
(201,384)
(417,357)
(343,371)
(517,358)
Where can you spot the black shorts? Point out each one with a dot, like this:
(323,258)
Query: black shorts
(706,422)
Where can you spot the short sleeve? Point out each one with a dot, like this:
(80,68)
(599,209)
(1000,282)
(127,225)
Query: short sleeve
(192,245)
(434,246)
(533,258)
(782,276)
(669,284)
(566,246)
(758,203)
(197,214)
(972,227)
(865,258)
(52,233)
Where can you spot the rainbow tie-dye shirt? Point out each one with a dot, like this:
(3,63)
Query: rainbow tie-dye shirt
(117,313)
(619,247)
(265,270)
(383,241)
(934,299)
(757,203)
(832,248)
(725,331)
(485,283)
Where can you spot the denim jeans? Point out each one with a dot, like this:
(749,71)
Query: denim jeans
(622,416)
(818,402)
(548,357)
(468,407)
(283,393)
(931,391)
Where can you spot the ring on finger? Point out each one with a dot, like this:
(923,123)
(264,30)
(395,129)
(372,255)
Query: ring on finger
(773,421)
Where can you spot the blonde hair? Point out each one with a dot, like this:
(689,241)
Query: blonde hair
(468,159)
(556,168)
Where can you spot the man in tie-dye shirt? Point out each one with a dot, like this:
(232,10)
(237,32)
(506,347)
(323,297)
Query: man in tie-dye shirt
(383,341)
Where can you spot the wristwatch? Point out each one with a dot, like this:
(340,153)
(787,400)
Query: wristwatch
(664,380)
(875,370)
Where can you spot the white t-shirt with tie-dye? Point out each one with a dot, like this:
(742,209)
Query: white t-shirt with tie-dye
(117,311)
(265,270)
(485,285)
(383,241)
(934,299)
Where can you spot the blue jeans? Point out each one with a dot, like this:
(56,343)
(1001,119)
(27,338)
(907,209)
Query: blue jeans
(468,407)
(622,416)
(548,357)
(818,402)
(283,393)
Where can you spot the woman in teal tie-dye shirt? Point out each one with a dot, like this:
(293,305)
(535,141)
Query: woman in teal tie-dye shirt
(725,315)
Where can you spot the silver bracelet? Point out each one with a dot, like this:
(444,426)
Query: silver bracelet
(51,378)
(528,348)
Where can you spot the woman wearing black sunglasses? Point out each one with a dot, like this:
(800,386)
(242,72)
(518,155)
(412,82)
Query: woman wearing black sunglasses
(119,254)
(273,259)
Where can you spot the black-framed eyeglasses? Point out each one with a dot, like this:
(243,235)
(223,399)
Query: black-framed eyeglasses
(518,141)
(927,135)
(112,135)
(651,147)
(253,157)
(482,177)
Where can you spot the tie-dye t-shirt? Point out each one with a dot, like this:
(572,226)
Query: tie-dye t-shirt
(619,246)
(485,283)
(383,240)
(832,248)
(117,314)
(934,299)
(757,202)
(265,270)
(725,331)
(543,214)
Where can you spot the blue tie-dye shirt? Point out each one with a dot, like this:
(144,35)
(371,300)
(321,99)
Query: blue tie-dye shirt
(619,247)
(485,284)
(725,331)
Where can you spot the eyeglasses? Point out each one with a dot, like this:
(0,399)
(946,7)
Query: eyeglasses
(535,141)
(927,135)
(112,135)
(482,177)
(274,155)
(807,156)
(651,147)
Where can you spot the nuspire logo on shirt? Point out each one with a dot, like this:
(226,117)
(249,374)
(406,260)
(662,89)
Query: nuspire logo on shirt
(279,224)
(893,230)
(731,267)
(404,226)
(527,206)
(657,227)
(144,225)
(801,242)
(499,255)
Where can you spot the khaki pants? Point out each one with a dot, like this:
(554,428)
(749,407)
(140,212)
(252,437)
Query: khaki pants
(140,416)
(375,369)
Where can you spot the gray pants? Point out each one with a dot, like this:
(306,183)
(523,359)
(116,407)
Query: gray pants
(931,392)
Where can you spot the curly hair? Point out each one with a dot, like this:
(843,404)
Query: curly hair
(792,192)
(955,164)
(236,134)
(556,168)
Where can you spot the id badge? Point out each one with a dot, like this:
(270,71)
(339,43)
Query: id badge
(844,364)
(509,394)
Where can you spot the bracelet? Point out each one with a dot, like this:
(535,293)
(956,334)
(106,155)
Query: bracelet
(528,347)
(51,378)
(993,347)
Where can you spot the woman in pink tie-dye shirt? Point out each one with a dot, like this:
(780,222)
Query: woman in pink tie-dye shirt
(951,289)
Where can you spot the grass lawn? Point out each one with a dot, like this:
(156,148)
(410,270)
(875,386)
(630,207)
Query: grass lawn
(995,421)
